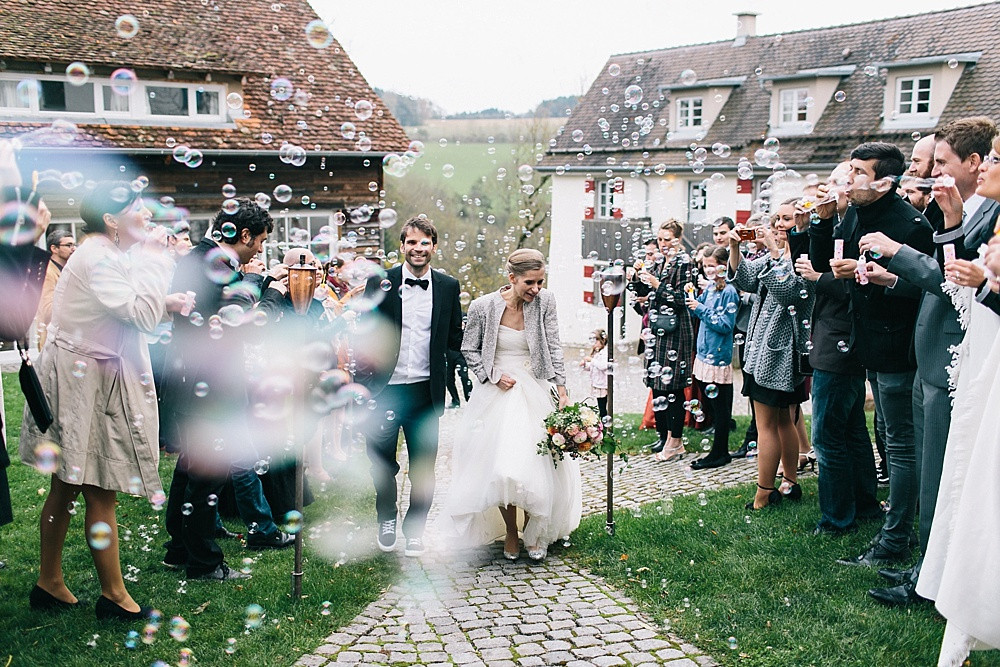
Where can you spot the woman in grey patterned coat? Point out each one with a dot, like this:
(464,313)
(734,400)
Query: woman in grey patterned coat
(671,338)
(777,330)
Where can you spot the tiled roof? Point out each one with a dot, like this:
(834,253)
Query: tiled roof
(746,113)
(256,39)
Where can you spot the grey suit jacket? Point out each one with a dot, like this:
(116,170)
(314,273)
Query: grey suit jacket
(937,326)
(541,328)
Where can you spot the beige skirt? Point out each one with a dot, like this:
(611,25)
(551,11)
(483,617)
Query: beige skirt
(712,374)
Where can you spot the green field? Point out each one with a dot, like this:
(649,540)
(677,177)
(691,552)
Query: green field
(472,162)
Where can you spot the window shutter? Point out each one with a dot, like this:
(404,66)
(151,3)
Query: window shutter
(619,191)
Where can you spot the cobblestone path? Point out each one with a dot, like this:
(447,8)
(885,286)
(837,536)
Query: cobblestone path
(475,608)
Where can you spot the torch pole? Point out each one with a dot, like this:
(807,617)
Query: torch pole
(610,526)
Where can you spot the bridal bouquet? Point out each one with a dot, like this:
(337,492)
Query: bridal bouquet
(574,430)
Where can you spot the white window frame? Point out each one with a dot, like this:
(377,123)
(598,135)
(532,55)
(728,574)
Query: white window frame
(699,194)
(792,107)
(138,101)
(605,200)
(686,113)
(916,80)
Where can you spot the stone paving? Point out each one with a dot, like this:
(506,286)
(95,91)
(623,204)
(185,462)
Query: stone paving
(476,608)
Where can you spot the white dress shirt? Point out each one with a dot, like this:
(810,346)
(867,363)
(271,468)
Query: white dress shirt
(414,363)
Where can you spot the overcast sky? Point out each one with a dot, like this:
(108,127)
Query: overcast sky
(468,55)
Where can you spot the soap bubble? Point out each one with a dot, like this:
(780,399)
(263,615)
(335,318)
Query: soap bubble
(633,95)
(711,391)
(363,109)
(688,77)
(194,158)
(447,170)
(261,467)
(348,130)
(47,457)
(77,73)
(953,63)
(840,96)
(127,26)
(318,34)
(843,346)
(201,389)
(577,135)
(179,628)
(614,69)
(79,368)
(122,80)
(293,522)
(234,101)
(254,616)
(387,217)
(525,172)
(99,536)
(281,89)
(187,509)
(282,193)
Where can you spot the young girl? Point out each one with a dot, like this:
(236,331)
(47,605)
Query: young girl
(713,370)
(597,364)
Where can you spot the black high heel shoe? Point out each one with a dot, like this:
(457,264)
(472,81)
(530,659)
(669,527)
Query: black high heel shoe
(658,447)
(773,498)
(807,460)
(108,610)
(793,491)
(40,600)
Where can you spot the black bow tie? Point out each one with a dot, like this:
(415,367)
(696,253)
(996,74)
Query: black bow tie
(422,283)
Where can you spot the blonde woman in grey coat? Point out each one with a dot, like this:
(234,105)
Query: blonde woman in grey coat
(512,346)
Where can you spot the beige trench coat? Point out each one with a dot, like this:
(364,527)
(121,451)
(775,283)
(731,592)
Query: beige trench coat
(95,370)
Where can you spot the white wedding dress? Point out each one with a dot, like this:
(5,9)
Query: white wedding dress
(959,571)
(495,461)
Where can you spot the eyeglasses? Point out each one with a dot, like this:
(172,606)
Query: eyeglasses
(66,245)
(991,160)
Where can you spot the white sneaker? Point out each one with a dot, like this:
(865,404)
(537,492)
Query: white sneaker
(414,547)
(387,535)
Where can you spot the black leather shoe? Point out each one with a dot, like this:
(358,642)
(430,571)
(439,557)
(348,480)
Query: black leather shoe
(707,462)
(792,490)
(109,611)
(740,453)
(223,533)
(222,573)
(40,599)
(773,498)
(897,577)
(876,555)
(897,596)
(276,540)
(658,446)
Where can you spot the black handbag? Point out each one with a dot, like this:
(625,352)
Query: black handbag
(801,365)
(33,394)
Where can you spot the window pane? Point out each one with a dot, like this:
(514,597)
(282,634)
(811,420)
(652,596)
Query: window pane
(167,100)
(208,103)
(115,102)
(9,97)
(61,96)
(906,84)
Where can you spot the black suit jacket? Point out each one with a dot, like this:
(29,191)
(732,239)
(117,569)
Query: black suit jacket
(446,331)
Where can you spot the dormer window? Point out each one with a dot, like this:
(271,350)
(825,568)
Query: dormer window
(689,112)
(794,106)
(913,95)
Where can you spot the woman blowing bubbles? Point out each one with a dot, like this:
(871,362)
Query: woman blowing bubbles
(95,371)
(512,345)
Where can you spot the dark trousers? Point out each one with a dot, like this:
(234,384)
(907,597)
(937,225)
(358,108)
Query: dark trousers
(893,393)
(457,365)
(602,407)
(931,421)
(720,409)
(669,420)
(840,439)
(191,521)
(751,434)
(411,409)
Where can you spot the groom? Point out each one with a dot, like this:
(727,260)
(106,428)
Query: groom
(422,309)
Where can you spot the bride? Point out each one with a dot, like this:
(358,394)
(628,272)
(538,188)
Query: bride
(512,345)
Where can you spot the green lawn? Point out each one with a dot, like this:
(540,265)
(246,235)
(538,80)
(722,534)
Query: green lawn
(471,162)
(717,571)
(215,611)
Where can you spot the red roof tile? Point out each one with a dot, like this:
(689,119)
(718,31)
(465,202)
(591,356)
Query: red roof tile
(192,39)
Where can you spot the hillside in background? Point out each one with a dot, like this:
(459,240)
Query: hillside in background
(415,111)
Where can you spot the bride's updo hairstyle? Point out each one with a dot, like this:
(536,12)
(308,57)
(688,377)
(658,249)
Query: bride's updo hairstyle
(524,260)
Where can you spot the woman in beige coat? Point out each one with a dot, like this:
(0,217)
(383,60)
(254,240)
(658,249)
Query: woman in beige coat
(95,371)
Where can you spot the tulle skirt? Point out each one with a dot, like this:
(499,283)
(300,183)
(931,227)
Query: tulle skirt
(496,463)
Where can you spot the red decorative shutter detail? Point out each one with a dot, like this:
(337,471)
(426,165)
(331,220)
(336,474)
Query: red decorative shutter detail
(589,185)
(590,188)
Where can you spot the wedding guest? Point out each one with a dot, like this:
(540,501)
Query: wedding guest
(716,308)
(668,370)
(92,368)
(775,336)
(597,364)
(61,245)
